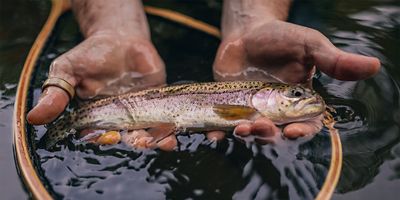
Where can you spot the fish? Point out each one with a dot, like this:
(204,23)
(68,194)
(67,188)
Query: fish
(192,107)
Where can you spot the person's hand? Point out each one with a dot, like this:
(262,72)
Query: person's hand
(103,64)
(288,53)
(116,57)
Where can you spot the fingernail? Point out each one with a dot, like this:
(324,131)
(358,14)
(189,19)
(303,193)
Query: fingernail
(242,130)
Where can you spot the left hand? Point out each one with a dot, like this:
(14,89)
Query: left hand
(289,53)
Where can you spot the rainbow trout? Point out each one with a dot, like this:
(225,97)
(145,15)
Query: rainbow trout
(196,107)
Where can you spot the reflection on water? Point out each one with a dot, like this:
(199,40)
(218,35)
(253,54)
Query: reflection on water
(368,120)
(367,110)
(197,169)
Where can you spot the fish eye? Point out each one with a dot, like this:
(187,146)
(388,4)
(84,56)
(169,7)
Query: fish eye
(297,93)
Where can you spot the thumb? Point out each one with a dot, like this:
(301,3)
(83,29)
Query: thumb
(51,104)
(53,99)
(342,65)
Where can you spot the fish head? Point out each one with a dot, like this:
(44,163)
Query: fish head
(285,103)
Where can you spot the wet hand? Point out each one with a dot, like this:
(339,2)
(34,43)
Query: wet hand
(280,51)
(288,52)
(103,64)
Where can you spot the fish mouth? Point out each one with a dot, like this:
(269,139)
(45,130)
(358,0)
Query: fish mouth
(314,101)
(304,110)
(314,107)
(310,107)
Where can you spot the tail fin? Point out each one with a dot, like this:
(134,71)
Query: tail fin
(57,131)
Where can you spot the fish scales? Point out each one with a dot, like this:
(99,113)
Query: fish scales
(199,106)
(188,106)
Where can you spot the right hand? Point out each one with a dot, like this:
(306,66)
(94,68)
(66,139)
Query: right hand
(287,52)
(104,64)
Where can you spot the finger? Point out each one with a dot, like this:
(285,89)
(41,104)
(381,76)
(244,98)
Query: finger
(53,100)
(168,143)
(141,139)
(243,130)
(264,127)
(339,64)
(215,135)
(137,139)
(51,104)
(295,130)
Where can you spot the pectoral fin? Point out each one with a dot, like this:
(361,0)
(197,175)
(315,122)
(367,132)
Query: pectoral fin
(234,112)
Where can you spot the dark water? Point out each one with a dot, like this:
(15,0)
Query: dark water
(20,22)
(368,116)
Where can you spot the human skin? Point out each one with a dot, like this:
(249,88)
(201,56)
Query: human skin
(257,44)
(116,56)
(254,35)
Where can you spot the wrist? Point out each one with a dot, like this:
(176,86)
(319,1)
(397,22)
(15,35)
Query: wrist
(239,31)
(240,16)
(117,33)
(119,37)
(124,18)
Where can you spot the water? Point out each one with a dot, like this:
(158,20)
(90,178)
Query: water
(368,116)
(19,22)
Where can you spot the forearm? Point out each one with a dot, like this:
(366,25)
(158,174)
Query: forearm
(238,15)
(123,17)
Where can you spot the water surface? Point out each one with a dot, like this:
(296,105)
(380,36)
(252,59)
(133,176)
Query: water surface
(368,116)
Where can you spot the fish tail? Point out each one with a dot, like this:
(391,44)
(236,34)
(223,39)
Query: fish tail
(57,131)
